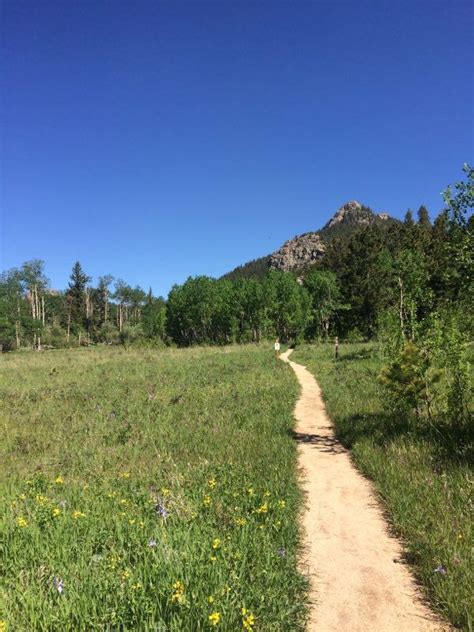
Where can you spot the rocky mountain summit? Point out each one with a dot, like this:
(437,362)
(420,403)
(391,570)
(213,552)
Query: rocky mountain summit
(303,250)
(308,248)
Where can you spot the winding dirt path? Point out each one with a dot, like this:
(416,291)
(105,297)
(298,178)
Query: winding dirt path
(355,584)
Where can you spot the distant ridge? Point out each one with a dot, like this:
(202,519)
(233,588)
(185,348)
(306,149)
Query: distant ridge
(309,248)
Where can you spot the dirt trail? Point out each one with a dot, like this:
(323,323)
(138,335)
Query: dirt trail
(356,586)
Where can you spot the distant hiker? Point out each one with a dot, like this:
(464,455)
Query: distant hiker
(336,348)
(277,347)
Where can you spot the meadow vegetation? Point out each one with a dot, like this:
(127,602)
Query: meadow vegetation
(420,463)
(147,490)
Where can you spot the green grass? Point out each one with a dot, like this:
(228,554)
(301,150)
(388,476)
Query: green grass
(426,489)
(95,443)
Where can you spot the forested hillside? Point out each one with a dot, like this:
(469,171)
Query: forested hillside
(376,277)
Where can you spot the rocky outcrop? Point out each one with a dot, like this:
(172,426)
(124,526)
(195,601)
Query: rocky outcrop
(298,252)
(349,211)
(304,250)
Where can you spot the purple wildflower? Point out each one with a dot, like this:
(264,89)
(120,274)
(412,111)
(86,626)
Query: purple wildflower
(58,584)
(161,511)
(440,569)
(281,552)
(152,542)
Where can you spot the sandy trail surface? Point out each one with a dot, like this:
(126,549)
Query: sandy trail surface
(356,586)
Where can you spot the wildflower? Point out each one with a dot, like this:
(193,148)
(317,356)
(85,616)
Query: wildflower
(216,543)
(263,509)
(212,482)
(125,475)
(78,514)
(240,522)
(210,599)
(124,501)
(137,586)
(282,504)
(22,496)
(58,584)
(207,501)
(267,493)
(59,480)
(251,491)
(178,594)
(440,569)
(3,626)
(213,558)
(281,552)
(152,543)
(132,521)
(40,499)
(248,619)
(21,522)
(126,573)
(214,618)
(56,512)
(165,491)
(161,511)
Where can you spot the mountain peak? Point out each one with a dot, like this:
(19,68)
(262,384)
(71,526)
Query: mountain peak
(349,211)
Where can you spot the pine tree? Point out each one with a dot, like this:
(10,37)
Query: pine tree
(76,298)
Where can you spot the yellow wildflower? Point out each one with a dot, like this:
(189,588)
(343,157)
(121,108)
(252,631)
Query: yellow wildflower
(125,475)
(216,543)
(59,480)
(78,514)
(178,594)
(40,499)
(22,496)
(207,501)
(22,522)
(240,522)
(210,599)
(137,586)
(212,482)
(124,501)
(251,491)
(3,626)
(263,509)
(214,618)
(213,558)
(56,512)
(165,491)
(248,619)
(132,521)
(282,503)
(267,493)
(126,574)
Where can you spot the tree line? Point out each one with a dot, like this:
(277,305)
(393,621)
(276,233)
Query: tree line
(374,282)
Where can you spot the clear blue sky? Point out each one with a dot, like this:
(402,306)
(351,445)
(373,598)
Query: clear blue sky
(156,140)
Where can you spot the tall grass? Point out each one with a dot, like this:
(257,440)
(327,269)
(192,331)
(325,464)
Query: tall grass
(426,487)
(146,490)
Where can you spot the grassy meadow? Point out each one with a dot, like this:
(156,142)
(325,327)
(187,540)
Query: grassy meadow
(426,488)
(149,490)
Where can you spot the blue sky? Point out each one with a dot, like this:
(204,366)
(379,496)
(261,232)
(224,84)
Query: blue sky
(157,140)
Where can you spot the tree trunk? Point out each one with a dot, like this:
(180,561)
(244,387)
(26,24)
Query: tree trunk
(17,333)
(402,322)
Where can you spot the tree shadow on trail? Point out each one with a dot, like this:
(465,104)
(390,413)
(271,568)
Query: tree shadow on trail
(323,443)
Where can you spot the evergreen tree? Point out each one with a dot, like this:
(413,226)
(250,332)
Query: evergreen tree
(76,299)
